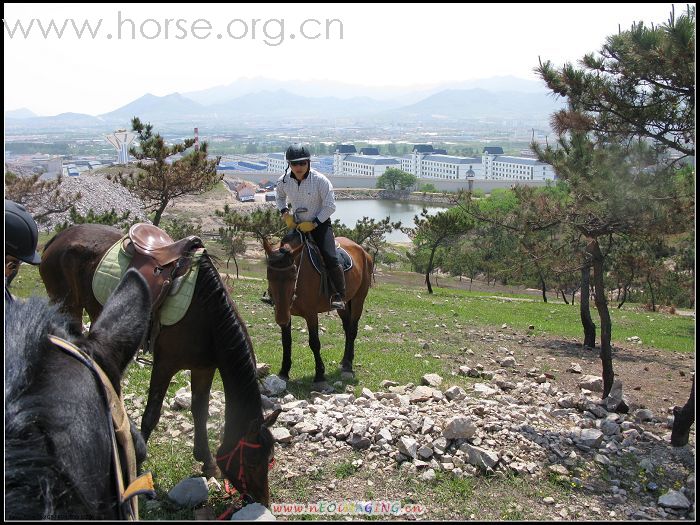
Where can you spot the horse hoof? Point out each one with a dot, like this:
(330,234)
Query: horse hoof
(323,387)
(347,374)
(211,472)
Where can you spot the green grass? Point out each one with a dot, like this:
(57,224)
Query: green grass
(397,322)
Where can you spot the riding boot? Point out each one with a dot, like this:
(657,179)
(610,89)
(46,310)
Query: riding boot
(337,277)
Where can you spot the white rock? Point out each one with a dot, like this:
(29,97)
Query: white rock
(459,427)
(190,492)
(273,385)
(674,500)
(253,512)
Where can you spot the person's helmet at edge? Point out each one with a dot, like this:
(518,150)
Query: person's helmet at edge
(21,233)
(297,152)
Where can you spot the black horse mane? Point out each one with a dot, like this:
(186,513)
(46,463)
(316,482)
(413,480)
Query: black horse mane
(33,472)
(230,333)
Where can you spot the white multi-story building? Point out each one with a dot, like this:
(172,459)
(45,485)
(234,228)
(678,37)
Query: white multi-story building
(428,163)
(425,162)
(276,163)
(368,163)
(497,166)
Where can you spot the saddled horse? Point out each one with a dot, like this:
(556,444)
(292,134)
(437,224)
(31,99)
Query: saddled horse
(294,286)
(211,335)
(59,454)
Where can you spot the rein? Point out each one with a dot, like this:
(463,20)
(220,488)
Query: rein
(119,432)
(293,252)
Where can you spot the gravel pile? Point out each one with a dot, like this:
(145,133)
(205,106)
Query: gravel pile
(99,194)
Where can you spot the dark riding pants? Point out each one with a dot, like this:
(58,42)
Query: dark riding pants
(323,235)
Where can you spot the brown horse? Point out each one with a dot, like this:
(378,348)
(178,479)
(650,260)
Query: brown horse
(211,335)
(294,286)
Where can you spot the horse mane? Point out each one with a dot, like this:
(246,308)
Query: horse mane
(33,471)
(229,332)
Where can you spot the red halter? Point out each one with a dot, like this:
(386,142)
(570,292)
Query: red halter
(241,471)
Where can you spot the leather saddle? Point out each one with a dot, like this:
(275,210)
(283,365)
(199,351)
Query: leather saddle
(162,261)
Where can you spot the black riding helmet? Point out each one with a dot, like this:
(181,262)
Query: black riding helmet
(297,152)
(21,233)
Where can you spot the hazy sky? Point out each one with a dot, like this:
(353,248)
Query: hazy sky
(135,49)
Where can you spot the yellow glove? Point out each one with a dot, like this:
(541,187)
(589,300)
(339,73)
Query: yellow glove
(306,226)
(290,221)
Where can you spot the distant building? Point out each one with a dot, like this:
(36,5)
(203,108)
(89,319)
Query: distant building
(364,165)
(504,167)
(369,151)
(426,162)
(276,163)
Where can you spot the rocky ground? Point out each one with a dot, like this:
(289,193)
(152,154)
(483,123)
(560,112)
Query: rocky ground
(530,413)
(100,195)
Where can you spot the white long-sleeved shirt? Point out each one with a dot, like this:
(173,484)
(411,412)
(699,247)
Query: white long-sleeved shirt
(315,193)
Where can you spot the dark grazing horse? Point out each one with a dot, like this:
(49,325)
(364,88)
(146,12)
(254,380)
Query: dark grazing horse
(58,445)
(211,335)
(294,286)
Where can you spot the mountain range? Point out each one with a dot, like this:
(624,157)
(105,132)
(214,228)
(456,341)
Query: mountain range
(266,101)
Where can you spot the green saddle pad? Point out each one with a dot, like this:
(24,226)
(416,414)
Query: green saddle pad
(115,263)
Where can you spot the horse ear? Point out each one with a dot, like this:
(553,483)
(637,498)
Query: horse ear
(270,420)
(121,326)
(266,246)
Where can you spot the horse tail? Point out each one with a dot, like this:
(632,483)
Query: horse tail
(369,268)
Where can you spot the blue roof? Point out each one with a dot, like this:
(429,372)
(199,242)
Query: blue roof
(493,150)
(346,148)
(519,160)
(369,151)
(423,148)
(374,160)
(279,156)
(450,159)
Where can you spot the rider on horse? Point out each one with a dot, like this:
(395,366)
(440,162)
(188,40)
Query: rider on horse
(311,196)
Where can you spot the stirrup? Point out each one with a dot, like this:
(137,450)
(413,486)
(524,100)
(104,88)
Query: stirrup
(337,304)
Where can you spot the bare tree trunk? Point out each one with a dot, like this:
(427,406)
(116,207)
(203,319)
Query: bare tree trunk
(544,288)
(429,269)
(236,263)
(586,320)
(601,303)
(683,418)
(563,296)
(159,213)
(651,292)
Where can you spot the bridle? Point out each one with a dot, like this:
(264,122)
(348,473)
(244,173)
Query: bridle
(241,477)
(119,432)
(295,266)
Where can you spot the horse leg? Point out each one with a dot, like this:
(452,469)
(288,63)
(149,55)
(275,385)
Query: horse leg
(201,386)
(286,350)
(350,328)
(683,418)
(160,379)
(315,344)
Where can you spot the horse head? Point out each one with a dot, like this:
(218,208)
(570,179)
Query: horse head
(117,334)
(248,463)
(281,277)
(57,421)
